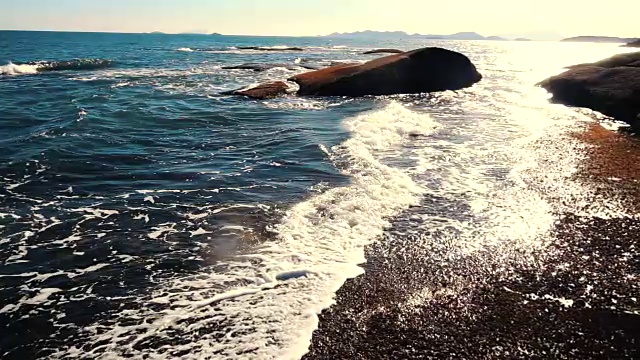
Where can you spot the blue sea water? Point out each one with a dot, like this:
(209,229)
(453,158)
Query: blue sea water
(143,214)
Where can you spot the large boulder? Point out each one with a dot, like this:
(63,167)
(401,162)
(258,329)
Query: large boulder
(417,71)
(262,91)
(610,86)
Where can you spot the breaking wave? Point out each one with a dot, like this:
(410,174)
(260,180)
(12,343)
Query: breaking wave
(286,281)
(44,66)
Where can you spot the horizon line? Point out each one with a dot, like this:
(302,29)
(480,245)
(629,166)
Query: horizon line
(157,32)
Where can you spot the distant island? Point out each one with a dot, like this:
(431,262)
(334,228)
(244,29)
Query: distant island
(523,39)
(216,34)
(599,39)
(395,35)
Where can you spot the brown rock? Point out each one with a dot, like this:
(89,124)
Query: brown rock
(417,71)
(383,51)
(614,61)
(263,91)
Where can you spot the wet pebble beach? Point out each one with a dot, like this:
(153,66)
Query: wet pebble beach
(578,299)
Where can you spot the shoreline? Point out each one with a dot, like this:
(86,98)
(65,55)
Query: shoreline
(574,300)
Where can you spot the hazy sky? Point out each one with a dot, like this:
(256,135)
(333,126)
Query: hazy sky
(318,17)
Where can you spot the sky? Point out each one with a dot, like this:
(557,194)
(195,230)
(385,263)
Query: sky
(320,17)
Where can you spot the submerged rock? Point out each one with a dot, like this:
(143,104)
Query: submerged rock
(383,51)
(261,48)
(417,71)
(262,91)
(258,67)
(610,86)
(264,67)
(76,64)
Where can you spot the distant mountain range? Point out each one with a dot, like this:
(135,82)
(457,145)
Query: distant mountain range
(395,35)
(600,39)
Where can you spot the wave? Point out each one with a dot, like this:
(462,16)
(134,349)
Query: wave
(286,281)
(17,69)
(271,48)
(45,66)
(246,49)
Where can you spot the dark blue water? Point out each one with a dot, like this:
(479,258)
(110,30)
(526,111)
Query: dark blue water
(143,213)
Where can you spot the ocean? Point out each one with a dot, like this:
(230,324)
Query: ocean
(144,215)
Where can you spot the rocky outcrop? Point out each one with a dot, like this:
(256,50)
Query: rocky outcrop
(262,48)
(417,71)
(610,86)
(263,91)
(598,39)
(629,59)
(383,51)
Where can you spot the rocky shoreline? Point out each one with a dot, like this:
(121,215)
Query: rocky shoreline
(578,299)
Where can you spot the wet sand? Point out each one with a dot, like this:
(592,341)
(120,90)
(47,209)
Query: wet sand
(578,299)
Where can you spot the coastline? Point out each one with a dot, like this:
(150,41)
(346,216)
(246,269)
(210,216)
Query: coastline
(575,300)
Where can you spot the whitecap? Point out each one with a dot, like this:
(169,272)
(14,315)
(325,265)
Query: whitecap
(286,280)
(13,69)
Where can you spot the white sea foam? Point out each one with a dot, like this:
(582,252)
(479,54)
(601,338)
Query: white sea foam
(185,49)
(144,217)
(285,282)
(199,232)
(13,69)
(296,103)
(41,298)
(277,47)
(159,231)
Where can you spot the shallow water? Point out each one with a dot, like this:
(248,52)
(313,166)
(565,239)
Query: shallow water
(143,214)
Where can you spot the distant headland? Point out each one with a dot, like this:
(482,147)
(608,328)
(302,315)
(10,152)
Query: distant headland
(396,35)
(599,39)
(399,35)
